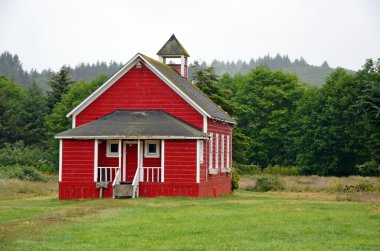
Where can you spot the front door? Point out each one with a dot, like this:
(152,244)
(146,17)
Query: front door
(129,161)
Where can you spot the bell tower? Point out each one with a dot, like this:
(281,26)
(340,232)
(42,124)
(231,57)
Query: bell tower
(173,49)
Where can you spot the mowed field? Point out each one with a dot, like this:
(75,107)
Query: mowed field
(32,218)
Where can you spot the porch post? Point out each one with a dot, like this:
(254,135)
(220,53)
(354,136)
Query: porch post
(120,155)
(162,160)
(96,160)
(141,174)
(197,179)
(60,161)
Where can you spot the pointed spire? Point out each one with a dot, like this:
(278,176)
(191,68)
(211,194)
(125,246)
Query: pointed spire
(173,48)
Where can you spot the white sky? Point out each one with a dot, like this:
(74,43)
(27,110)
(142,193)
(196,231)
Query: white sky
(49,34)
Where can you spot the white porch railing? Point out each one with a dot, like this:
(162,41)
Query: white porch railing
(108,174)
(150,174)
(135,184)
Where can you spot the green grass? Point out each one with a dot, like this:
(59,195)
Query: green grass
(242,221)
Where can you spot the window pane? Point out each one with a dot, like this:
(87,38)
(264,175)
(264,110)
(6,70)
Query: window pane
(152,148)
(114,148)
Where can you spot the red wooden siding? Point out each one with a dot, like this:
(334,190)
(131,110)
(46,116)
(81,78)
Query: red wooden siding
(180,161)
(216,184)
(140,89)
(103,160)
(78,171)
(77,160)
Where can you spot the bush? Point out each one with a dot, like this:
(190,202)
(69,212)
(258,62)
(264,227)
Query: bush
(268,183)
(282,170)
(371,168)
(248,169)
(21,172)
(235,178)
(19,154)
(361,187)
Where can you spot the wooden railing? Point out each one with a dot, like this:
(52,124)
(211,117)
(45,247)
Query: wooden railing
(151,174)
(108,174)
(135,184)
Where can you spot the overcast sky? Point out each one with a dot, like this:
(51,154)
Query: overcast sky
(49,34)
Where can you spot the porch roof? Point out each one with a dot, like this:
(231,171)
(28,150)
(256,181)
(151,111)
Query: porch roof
(135,124)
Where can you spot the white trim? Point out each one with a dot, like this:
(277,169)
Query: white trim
(119,152)
(121,73)
(201,148)
(162,160)
(216,151)
(60,160)
(228,151)
(146,149)
(198,162)
(124,178)
(73,121)
(176,89)
(222,153)
(129,137)
(96,160)
(104,86)
(211,148)
(182,65)
(205,124)
(110,154)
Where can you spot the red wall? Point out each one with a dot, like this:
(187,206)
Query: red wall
(78,171)
(216,184)
(140,89)
(180,161)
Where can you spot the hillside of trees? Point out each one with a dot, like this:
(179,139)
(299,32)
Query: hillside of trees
(11,66)
(329,130)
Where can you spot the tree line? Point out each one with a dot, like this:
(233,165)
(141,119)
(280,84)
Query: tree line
(328,130)
(10,65)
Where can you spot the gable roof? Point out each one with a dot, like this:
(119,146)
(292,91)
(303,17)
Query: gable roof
(180,85)
(173,48)
(133,124)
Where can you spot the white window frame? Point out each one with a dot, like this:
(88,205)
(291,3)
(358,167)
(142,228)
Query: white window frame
(211,151)
(217,151)
(146,149)
(201,146)
(110,154)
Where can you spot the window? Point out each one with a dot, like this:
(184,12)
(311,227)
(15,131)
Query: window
(112,148)
(211,150)
(222,154)
(201,151)
(228,152)
(152,149)
(217,151)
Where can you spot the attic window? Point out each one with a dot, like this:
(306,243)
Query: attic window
(152,149)
(138,65)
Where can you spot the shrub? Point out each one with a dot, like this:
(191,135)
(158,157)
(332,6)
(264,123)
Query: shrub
(268,183)
(361,187)
(248,169)
(282,170)
(235,178)
(19,154)
(371,168)
(21,172)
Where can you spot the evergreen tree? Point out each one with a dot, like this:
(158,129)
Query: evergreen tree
(59,85)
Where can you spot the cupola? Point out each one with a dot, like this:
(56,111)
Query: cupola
(171,53)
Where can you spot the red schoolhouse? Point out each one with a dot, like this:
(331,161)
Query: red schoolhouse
(147,131)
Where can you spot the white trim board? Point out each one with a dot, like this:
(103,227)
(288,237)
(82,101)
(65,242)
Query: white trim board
(138,57)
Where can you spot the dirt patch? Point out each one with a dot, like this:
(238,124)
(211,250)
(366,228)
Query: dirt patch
(8,228)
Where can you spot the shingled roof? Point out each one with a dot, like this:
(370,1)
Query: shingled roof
(133,124)
(173,48)
(191,91)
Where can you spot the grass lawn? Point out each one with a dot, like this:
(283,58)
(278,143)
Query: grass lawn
(242,221)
